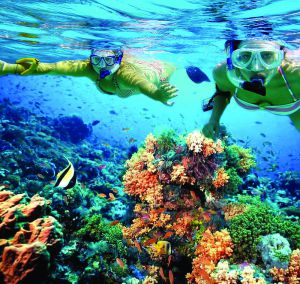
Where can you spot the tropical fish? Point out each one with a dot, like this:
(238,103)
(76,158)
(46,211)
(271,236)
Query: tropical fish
(102,195)
(101,167)
(138,246)
(196,75)
(194,196)
(40,176)
(126,129)
(160,210)
(95,122)
(263,134)
(258,122)
(120,262)
(115,222)
(150,242)
(67,177)
(132,140)
(206,216)
(267,143)
(168,235)
(163,247)
(111,197)
(113,112)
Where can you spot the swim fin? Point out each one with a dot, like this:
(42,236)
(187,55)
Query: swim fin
(196,75)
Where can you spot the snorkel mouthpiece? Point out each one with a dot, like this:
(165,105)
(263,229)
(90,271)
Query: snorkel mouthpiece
(256,85)
(104,73)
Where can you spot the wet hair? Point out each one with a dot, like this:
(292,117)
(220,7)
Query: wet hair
(237,43)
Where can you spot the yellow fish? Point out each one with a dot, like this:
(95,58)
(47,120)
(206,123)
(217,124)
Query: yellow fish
(163,247)
(67,177)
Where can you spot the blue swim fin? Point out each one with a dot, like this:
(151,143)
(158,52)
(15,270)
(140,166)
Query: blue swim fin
(196,75)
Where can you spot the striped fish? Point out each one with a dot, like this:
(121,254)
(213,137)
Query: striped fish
(67,177)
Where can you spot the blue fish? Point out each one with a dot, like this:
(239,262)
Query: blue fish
(196,75)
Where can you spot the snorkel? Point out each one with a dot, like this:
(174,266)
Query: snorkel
(256,83)
(106,62)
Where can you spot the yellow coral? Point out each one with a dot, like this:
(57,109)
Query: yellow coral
(234,209)
(150,143)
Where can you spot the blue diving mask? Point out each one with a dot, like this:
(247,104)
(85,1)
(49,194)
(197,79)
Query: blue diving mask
(106,62)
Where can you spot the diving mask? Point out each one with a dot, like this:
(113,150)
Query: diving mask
(257,59)
(106,62)
(259,64)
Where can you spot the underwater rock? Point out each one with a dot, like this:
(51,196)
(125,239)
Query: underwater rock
(275,251)
(25,263)
(28,238)
(71,129)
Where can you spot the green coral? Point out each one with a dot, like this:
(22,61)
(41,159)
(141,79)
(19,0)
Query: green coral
(166,140)
(259,220)
(234,181)
(97,229)
(240,158)
(200,229)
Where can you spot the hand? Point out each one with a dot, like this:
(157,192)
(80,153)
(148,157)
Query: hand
(2,63)
(211,129)
(166,92)
(30,65)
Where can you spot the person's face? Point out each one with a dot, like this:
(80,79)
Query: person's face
(104,59)
(258,59)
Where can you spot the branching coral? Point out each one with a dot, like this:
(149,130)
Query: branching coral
(212,248)
(240,158)
(221,178)
(291,275)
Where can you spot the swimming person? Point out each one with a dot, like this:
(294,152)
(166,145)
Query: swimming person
(259,75)
(114,72)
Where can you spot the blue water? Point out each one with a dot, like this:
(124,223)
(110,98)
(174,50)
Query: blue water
(183,32)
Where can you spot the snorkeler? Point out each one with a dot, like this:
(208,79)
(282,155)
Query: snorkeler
(258,74)
(114,72)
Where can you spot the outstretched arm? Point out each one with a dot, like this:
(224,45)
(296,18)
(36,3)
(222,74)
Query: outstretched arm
(131,76)
(32,66)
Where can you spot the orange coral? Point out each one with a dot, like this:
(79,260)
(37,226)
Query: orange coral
(144,184)
(221,178)
(179,176)
(212,248)
(210,147)
(182,226)
(291,275)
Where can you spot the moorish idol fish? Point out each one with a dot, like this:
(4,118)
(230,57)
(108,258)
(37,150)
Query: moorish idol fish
(67,177)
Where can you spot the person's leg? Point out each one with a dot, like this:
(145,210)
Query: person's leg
(295,118)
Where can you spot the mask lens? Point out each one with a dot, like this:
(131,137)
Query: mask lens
(109,60)
(244,57)
(241,58)
(271,59)
(95,59)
